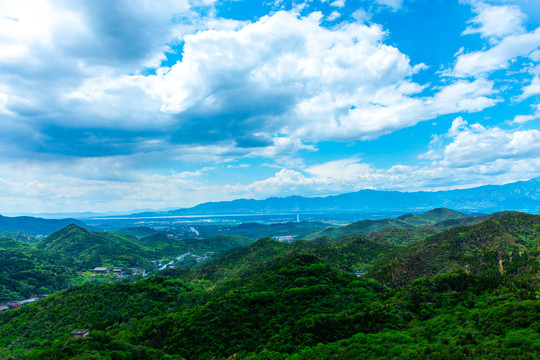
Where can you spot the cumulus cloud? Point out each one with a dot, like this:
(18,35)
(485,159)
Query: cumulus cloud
(333,16)
(392,4)
(83,95)
(476,144)
(498,56)
(289,75)
(496,22)
(345,169)
(250,84)
(128,35)
(338,3)
(521,119)
(504,27)
(473,154)
(532,89)
(435,149)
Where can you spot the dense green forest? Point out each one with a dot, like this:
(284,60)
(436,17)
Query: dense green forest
(60,260)
(424,222)
(455,292)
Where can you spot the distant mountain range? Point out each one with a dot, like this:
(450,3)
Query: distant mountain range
(519,196)
(35,225)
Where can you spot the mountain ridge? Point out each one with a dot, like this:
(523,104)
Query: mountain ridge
(35,225)
(519,196)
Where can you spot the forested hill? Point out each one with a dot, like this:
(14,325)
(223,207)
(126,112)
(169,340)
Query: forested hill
(466,292)
(509,244)
(57,261)
(35,226)
(521,196)
(299,307)
(351,254)
(408,221)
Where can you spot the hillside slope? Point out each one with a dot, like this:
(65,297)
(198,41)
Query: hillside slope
(299,307)
(509,244)
(408,221)
(89,249)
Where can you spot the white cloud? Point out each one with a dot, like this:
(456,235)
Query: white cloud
(338,3)
(308,82)
(532,89)
(334,15)
(535,55)
(457,125)
(281,77)
(126,34)
(393,4)
(476,144)
(498,56)
(345,169)
(521,119)
(474,155)
(435,149)
(464,96)
(361,15)
(74,88)
(496,22)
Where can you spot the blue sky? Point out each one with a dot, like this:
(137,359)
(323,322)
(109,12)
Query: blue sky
(115,106)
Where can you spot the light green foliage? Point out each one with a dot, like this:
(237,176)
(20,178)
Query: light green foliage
(272,300)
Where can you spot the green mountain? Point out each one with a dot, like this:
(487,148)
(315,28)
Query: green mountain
(13,244)
(432,217)
(352,253)
(27,272)
(19,235)
(465,292)
(88,249)
(296,230)
(55,262)
(407,221)
(33,225)
(299,307)
(509,244)
(218,244)
(136,231)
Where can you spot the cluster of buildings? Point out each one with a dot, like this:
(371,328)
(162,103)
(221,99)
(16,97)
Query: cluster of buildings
(285,238)
(106,270)
(117,271)
(79,333)
(162,265)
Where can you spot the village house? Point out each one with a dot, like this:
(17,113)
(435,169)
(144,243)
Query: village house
(118,272)
(79,333)
(101,270)
(3,308)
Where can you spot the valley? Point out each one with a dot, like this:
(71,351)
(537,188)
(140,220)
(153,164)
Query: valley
(407,282)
